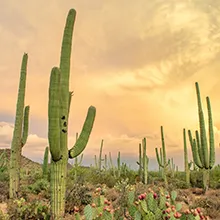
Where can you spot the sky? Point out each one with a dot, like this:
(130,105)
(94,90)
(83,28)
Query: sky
(135,61)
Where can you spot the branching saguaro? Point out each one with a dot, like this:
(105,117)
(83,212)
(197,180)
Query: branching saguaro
(162,159)
(20,133)
(203,156)
(58,114)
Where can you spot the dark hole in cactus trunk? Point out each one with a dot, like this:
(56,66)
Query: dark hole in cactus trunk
(64,131)
(63,117)
(65,124)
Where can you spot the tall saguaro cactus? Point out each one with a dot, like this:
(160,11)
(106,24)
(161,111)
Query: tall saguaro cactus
(203,158)
(20,133)
(58,113)
(162,161)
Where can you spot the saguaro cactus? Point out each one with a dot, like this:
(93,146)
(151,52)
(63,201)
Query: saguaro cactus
(162,161)
(20,132)
(145,161)
(119,164)
(58,113)
(203,158)
(186,163)
(100,155)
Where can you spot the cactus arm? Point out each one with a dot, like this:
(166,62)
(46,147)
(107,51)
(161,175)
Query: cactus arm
(85,133)
(199,147)
(158,158)
(45,162)
(202,128)
(195,152)
(25,125)
(53,115)
(211,135)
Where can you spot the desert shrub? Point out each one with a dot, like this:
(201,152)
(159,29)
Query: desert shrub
(4,175)
(20,209)
(39,186)
(210,205)
(4,189)
(177,184)
(101,177)
(4,216)
(196,179)
(77,195)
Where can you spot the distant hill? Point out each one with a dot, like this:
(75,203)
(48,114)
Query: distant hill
(25,162)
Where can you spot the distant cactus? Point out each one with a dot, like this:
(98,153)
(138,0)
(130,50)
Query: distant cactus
(100,155)
(186,163)
(119,164)
(162,161)
(20,134)
(58,113)
(45,163)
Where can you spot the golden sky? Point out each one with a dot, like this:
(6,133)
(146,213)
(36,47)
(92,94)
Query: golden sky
(136,61)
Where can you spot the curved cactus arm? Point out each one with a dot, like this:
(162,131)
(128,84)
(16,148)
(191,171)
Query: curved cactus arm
(202,128)
(25,125)
(53,115)
(45,162)
(194,148)
(158,158)
(161,156)
(199,147)
(85,133)
(211,135)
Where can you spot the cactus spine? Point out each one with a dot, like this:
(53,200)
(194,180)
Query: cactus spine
(203,158)
(58,114)
(20,133)
(186,163)
(45,163)
(162,160)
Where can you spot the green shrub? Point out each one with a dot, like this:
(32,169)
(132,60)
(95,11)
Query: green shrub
(20,209)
